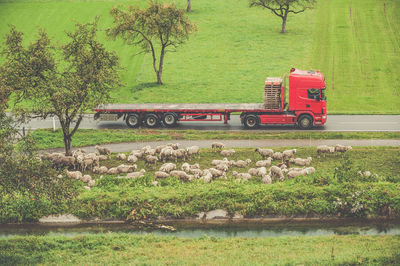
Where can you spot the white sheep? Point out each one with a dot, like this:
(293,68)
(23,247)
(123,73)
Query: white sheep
(100,170)
(132,158)
(102,157)
(253,171)
(86,178)
(262,171)
(301,161)
(217,173)
(150,159)
(222,167)
(123,168)
(288,154)
(91,183)
(207,176)
(161,174)
(194,150)
(341,148)
(103,150)
(227,153)
(217,162)
(74,174)
(135,175)
(275,171)
(242,164)
(323,149)
(217,145)
(166,153)
(244,176)
(182,175)
(265,152)
(277,156)
(167,167)
(121,156)
(137,153)
(196,172)
(265,163)
(113,171)
(266,179)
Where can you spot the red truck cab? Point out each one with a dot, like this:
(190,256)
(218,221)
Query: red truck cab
(307,96)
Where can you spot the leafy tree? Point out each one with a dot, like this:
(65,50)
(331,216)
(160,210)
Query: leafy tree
(159,26)
(282,8)
(62,81)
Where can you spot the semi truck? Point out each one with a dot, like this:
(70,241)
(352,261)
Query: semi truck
(306,107)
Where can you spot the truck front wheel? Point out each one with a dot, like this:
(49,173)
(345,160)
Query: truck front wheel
(151,120)
(251,121)
(132,120)
(305,122)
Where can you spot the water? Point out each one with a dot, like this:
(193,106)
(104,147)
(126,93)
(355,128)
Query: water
(226,229)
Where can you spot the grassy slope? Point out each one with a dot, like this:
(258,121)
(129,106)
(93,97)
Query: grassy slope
(237,46)
(48,139)
(150,250)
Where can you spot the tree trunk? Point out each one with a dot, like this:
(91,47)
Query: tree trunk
(67,145)
(189,6)
(284,18)
(160,66)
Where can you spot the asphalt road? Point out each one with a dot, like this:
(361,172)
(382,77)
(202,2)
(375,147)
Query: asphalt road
(334,123)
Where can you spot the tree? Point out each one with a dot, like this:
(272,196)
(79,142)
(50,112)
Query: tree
(282,8)
(159,26)
(62,81)
(189,6)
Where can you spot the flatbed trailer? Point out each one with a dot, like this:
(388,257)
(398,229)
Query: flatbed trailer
(305,113)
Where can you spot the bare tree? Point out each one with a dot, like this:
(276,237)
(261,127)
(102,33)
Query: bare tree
(159,26)
(282,8)
(189,5)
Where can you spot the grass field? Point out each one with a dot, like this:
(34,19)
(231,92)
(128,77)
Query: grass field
(49,139)
(150,250)
(236,47)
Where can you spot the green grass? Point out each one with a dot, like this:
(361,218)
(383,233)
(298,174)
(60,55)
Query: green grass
(48,139)
(236,47)
(150,250)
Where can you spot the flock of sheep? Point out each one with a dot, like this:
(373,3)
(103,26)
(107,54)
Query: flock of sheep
(81,161)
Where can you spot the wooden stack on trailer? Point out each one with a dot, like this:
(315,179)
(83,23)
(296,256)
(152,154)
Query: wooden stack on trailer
(272,93)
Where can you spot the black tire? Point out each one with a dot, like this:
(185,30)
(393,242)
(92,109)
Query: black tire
(251,121)
(151,121)
(133,120)
(170,119)
(305,122)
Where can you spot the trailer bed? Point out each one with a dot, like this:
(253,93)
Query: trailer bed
(184,107)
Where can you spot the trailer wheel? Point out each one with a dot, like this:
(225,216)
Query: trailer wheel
(305,122)
(151,120)
(132,120)
(169,119)
(251,121)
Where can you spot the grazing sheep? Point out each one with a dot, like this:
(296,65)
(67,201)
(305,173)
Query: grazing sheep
(275,171)
(266,179)
(185,167)
(265,152)
(135,175)
(91,183)
(194,150)
(86,178)
(102,150)
(207,176)
(323,149)
(301,162)
(288,154)
(217,162)
(277,156)
(310,170)
(227,153)
(74,174)
(253,171)
(121,156)
(244,176)
(265,163)
(161,175)
(217,173)
(196,172)
(123,168)
(113,171)
(222,167)
(132,158)
(217,145)
(262,171)
(242,164)
(182,175)
(341,148)
(293,174)
(179,154)
(150,159)
(138,153)
(166,153)
(100,170)
(102,157)
(174,146)
(167,167)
